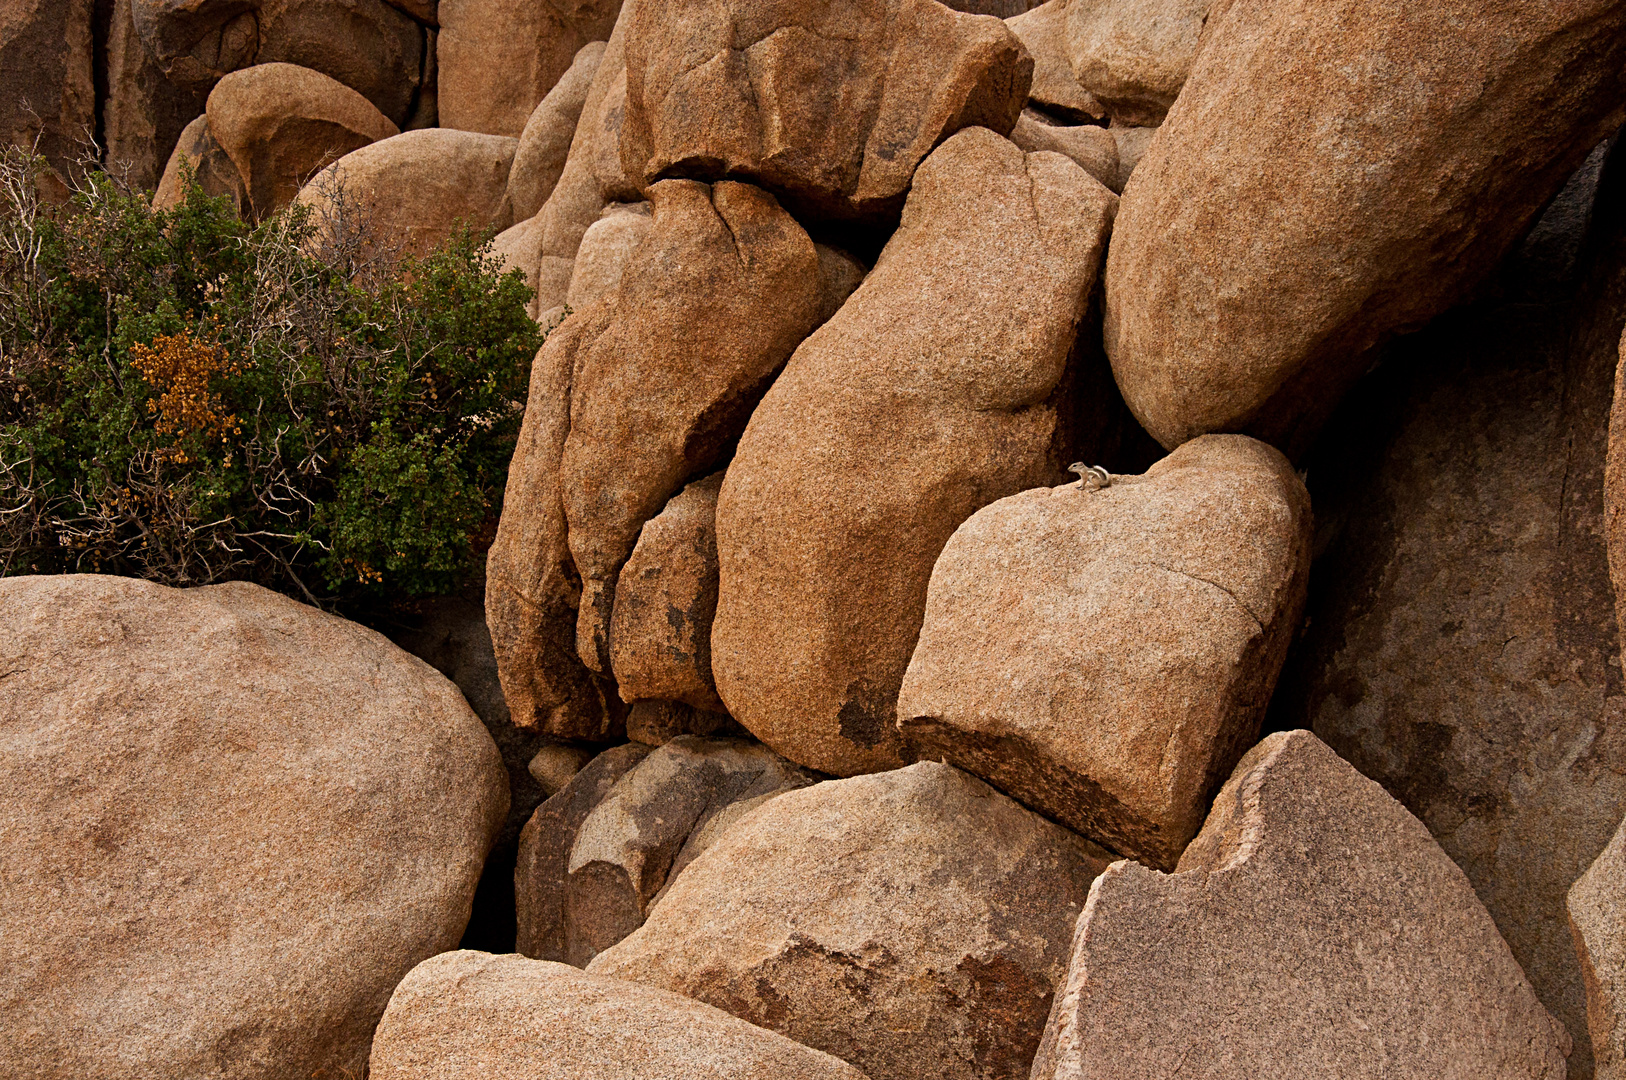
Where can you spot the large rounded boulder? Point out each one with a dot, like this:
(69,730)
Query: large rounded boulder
(231,825)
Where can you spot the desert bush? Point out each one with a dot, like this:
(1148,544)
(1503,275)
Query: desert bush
(191,399)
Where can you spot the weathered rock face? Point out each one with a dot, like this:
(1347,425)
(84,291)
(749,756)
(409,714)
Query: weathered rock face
(499,58)
(914,923)
(1133,142)
(1106,657)
(1091,146)
(706,312)
(280,124)
(1134,57)
(606,249)
(830,108)
(532,588)
(1055,89)
(665,602)
(424,184)
(924,399)
(210,165)
(143,113)
(545,142)
(1262,249)
(197,42)
(1314,929)
(657,819)
(508,1018)
(231,825)
(1599,929)
(1461,647)
(368,45)
(47,89)
(541,874)
(591,178)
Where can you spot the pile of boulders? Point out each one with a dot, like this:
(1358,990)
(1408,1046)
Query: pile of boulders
(1064,542)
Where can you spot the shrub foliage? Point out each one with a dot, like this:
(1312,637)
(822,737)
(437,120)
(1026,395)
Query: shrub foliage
(189,399)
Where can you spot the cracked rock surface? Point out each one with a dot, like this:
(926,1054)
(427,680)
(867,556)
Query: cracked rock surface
(914,923)
(1314,928)
(1106,656)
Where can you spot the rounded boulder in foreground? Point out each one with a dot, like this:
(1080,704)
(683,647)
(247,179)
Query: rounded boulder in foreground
(231,825)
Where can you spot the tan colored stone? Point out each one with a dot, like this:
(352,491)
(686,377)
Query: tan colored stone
(706,312)
(660,628)
(515,249)
(198,151)
(368,45)
(281,124)
(540,875)
(499,58)
(1314,929)
(47,89)
(1106,656)
(1133,142)
(656,722)
(830,108)
(545,142)
(840,274)
(231,823)
(1460,646)
(196,43)
(1043,31)
(424,185)
(592,172)
(649,828)
(925,398)
(914,923)
(1596,923)
(466,1014)
(1133,56)
(1336,173)
(1090,146)
(143,112)
(555,764)
(606,248)
(532,588)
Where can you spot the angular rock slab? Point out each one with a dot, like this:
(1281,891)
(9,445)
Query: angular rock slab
(281,123)
(707,311)
(231,824)
(830,106)
(657,819)
(1055,89)
(424,185)
(197,151)
(926,397)
(1314,928)
(1134,55)
(1332,175)
(914,923)
(666,601)
(540,873)
(1105,657)
(465,1014)
(1598,923)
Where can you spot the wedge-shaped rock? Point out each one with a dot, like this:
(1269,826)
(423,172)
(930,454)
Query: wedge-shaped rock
(656,820)
(925,398)
(1134,55)
(198,152)
(540,873)
(1090,145)
(660,632)
(1055,89)
(544,144)
(1106,656)
(281,123)
(499,58)
(914,923)
(606,249)
(465,1014)
(231,825)
(1314,928)
(532,588)
(706,312)
(830,106)
(1597,911)
(424,184)
(1307,199)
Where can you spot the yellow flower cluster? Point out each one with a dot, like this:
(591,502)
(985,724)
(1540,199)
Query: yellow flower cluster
(180,367)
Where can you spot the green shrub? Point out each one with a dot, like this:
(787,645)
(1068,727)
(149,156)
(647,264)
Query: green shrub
(189,399)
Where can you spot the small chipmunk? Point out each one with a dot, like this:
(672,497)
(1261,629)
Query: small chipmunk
(1090,477)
